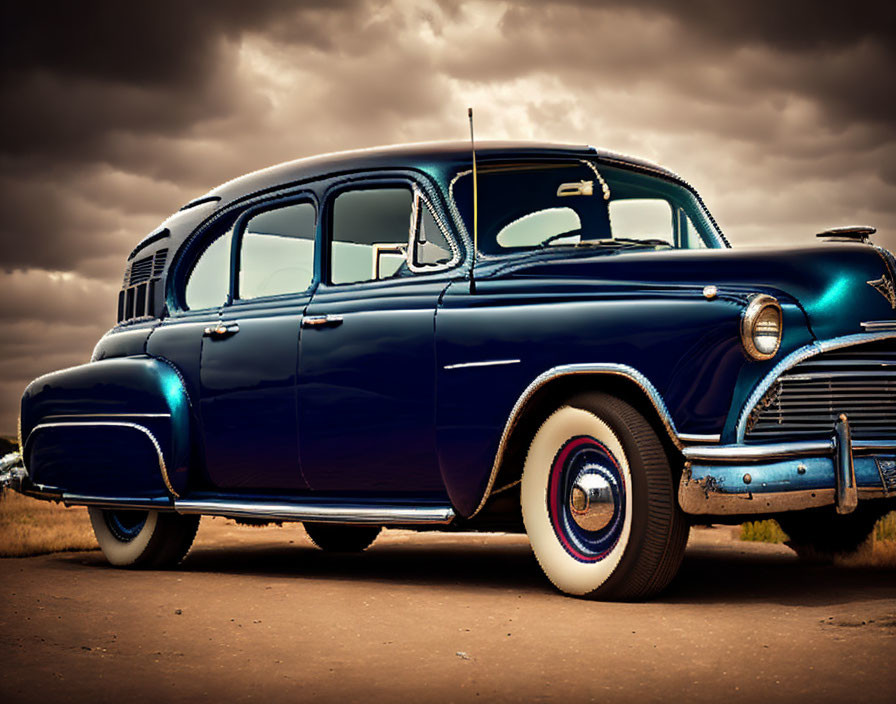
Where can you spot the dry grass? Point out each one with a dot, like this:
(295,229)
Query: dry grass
(878,551)
(32,527)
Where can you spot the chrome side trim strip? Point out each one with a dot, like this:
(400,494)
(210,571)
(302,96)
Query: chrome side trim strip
(693,437)
(794,358)
(565,370)
(879,325)
(110,415)
(756,453)
(283,511)
(120,424)
(490,363)
(120,502)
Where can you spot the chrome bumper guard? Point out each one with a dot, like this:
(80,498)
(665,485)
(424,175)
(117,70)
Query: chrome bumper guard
(764,479)
(12,471)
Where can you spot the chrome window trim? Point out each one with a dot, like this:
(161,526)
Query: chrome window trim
(566,370)
(791,360)
(420,197)
(163,469)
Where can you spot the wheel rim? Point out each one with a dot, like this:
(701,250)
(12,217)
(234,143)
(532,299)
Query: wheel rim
(586,498)
(125,525)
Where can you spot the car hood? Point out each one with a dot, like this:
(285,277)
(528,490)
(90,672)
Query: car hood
(832,283)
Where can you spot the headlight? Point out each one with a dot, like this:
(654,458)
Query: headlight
(761,326)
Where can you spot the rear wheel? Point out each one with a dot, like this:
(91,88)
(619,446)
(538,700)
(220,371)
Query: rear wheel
(598,502)
(334,537)
(820,535)
(147,539)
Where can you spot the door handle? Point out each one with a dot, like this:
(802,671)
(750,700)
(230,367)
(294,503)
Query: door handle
(322,321)
(221,330)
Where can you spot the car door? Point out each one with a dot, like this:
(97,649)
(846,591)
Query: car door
(250,356)
(366,380)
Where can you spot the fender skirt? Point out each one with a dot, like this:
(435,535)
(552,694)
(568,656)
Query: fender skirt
(117,427)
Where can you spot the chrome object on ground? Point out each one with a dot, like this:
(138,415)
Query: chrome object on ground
(12,471)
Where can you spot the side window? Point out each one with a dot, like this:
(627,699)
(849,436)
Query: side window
(370,234)
(277,251)
(209,281)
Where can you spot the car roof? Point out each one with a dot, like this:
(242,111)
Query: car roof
(421,155)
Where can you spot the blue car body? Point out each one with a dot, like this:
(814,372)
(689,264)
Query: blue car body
(410,400)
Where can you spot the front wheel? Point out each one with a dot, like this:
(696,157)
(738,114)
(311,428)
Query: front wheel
(598,502)
(143,539)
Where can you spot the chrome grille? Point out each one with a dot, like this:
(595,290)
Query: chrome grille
(806,400)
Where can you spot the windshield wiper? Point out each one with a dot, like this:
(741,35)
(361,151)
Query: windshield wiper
(608,242)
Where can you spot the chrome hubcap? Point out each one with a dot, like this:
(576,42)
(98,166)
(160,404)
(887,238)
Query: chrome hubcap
(591,501)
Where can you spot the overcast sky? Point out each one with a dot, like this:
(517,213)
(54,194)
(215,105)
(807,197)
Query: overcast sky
(783,114)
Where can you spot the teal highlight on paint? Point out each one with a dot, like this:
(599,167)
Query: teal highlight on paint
(174,392)
(834,294)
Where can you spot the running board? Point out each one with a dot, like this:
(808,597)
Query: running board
(375,514)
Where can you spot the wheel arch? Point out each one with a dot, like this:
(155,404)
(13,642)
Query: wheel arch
(550,390)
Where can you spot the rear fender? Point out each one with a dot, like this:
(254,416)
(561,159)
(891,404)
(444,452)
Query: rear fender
(113,428)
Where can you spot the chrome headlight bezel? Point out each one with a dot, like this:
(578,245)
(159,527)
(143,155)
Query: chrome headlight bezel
(757,305)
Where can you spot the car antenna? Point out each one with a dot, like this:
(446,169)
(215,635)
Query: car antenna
(475,204)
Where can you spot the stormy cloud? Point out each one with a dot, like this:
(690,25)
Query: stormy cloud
(783,114)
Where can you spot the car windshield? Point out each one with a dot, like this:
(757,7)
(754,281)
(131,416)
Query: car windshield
(530,206)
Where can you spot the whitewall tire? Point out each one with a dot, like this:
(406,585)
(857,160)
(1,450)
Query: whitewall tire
(598,501)
(149,539)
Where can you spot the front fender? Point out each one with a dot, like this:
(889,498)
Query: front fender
(114,428)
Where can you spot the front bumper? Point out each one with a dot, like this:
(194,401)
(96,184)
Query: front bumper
(765,479)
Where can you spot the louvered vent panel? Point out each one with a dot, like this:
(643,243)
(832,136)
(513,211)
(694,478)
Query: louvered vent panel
(158,263)
(141,270)
(127,277)
(806,401)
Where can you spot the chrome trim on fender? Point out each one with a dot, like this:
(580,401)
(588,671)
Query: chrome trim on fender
(490,363)
(283,511)
(694,437)
(794,358)
(110,415)
(879,325)
(565,370)
(163,469)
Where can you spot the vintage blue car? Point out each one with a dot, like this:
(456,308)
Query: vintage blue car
(547,338)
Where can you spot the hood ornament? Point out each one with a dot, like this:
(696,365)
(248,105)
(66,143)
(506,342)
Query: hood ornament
(850,233)
(884,286)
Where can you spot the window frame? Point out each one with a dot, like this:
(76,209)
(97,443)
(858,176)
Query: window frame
(233,219)
(239,230)
(419,198)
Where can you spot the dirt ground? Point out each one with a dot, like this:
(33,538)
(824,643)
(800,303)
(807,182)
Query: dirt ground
(259,614)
